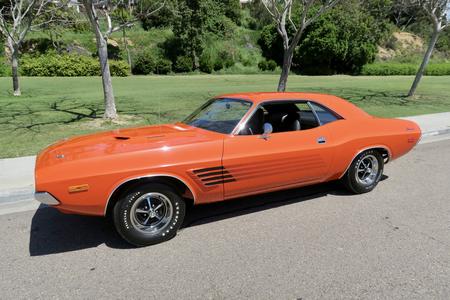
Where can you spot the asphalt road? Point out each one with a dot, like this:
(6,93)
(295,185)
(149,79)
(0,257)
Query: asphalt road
(313,243)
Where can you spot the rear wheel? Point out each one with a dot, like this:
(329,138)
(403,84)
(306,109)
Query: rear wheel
(149,214)
(364,172)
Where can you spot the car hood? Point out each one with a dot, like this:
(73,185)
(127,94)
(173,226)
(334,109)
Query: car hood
(120,141)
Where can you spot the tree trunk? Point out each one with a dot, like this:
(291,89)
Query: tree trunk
(287,62)
(14,67)
(102,48)
(110,105)
(425,61)
(15,72)
(125,42)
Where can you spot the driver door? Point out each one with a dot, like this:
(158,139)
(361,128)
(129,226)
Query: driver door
(284,159)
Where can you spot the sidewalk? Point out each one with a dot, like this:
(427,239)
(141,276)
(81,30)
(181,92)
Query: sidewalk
(433,124)
(17,174)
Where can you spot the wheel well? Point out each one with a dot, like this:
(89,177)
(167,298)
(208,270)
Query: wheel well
(182,189)
(384,153)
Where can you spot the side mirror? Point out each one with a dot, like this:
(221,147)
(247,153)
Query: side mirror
(268,129)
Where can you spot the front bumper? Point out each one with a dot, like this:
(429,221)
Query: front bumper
(46,198)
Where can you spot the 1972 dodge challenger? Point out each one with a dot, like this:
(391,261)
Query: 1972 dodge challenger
(232,146)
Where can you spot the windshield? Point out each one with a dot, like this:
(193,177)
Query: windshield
(219,115)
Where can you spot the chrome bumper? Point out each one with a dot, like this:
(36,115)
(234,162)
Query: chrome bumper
(45,198)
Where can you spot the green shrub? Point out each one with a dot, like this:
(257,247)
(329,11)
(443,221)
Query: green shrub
(163,66)
(227,58)
(224,59)
(389,69)
(246,62)
(438,69)
(221,26)
(206,63)
(265,65)
(218,65)
(148,62)
(262,65)
(67,66)
(38,46)
(144,63)
(271,65)
(183,64)
(119,68)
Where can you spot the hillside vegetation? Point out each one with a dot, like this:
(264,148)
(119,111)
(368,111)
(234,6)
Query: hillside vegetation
(213,36)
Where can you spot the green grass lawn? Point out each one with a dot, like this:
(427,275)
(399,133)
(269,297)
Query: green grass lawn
(54,108)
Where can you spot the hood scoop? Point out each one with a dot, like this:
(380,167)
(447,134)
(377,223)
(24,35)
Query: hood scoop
(122,138)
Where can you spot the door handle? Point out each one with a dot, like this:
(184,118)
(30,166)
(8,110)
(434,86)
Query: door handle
(321,140)
(264,136)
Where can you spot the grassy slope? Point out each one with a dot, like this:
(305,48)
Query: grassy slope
(29,123)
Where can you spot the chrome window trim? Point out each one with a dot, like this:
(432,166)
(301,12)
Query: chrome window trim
(314,113)
(148,176)
(245,119)
(364,149)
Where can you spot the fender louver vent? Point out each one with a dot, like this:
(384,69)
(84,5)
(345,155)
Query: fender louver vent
(213,176)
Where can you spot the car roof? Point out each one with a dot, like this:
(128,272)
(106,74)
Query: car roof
(338,105)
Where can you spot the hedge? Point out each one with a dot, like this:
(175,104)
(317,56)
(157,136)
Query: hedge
(68,66)
(386,69)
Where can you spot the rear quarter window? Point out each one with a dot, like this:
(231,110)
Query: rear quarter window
(324,114)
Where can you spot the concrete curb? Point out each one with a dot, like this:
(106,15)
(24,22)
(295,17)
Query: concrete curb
(435,133)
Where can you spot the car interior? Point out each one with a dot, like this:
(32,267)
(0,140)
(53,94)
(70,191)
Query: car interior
(288,116)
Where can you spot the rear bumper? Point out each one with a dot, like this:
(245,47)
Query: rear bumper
(46,198)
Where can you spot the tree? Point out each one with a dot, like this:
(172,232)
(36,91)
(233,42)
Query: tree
(403,13)
(188,31)
(107,9)
(438,12)
(339,42)
(16,20)
(232,10)
(281,13)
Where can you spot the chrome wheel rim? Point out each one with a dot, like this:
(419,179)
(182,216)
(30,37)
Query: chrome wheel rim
(367,170)
(151,213)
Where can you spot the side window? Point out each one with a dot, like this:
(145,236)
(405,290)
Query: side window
(307,118)
(255,124)
(325,116)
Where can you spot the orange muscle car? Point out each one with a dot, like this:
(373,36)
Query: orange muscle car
(232,146)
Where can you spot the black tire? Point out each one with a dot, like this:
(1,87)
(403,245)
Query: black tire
(352,179)
(134,208)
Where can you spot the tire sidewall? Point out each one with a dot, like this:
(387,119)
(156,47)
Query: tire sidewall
(122,215)
(357,186)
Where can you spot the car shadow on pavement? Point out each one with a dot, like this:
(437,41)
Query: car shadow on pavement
(54,232)
(203,214)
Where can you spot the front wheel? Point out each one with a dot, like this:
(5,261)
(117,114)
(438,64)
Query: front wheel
(149,214)
(364,172)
